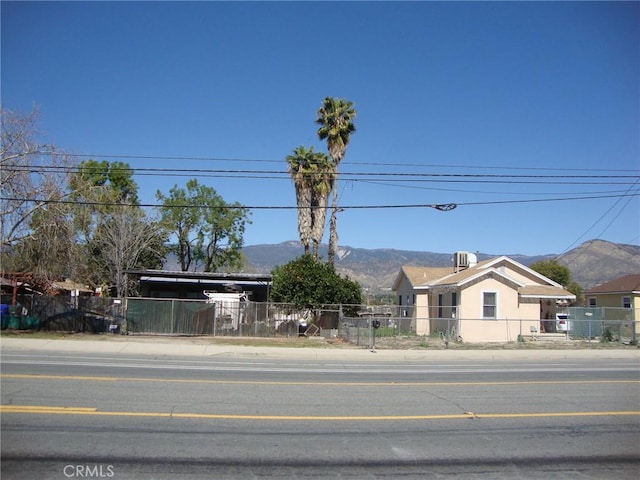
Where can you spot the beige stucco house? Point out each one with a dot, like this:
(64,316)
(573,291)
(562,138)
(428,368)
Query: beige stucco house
(490,301)
(622,292)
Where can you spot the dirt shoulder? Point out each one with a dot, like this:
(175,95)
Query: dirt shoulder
(384,343)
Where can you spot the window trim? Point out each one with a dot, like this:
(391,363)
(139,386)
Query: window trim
(495,305)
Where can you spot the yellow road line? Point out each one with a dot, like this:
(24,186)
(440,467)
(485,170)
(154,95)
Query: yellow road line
(35,376)
(333,384)
(52,410)
(36,408)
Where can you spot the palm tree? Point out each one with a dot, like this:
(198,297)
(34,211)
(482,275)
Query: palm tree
(335,118)
(322,184)
(312,175)
(300,163)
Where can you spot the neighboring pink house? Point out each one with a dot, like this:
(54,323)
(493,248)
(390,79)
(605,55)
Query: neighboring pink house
(490,301)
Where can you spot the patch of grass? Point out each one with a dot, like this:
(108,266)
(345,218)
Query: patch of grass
(607,336)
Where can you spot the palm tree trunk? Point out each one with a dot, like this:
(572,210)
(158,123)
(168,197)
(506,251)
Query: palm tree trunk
(318,216)
(333,232)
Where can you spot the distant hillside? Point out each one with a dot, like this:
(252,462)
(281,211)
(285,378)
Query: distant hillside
(596,261)
(592,263)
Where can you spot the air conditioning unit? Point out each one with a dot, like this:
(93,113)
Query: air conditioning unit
(462,260)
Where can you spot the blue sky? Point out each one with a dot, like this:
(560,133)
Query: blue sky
(544,97)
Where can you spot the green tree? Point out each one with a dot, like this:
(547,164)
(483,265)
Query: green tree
(116,176)
(115,232)
(552,270)
(208,231)
(558,273)
(311,173)
(51,237)
(308,283)
(182,219)
(335,118)
(50,253)
(99,187)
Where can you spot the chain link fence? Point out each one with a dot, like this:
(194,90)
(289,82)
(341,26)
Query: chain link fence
(152,316)
(68,314)
(235,316)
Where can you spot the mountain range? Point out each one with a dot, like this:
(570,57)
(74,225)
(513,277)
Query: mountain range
(592,263)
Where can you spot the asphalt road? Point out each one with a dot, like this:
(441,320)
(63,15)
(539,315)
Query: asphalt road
(133,416)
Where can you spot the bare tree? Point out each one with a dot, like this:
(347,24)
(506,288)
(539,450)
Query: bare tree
(124,238)
(35,233)
(32,175)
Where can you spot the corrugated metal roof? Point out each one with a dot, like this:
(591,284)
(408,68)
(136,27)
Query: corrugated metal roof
(162,274)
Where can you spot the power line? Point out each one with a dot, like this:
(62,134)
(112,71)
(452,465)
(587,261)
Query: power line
(292,207)
(357,176)
(604,215)
(383,164)
(420,187)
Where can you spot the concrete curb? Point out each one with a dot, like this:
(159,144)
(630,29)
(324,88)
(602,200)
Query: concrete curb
(181,349)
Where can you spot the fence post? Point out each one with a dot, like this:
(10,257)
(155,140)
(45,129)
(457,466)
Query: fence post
(173,316)
(446,340)
(215,318)
(255,320)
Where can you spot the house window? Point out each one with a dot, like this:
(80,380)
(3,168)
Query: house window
(592,302)
(454,304)
(626,302)
(489,306)
(414,299)
(440,297)
(399,299)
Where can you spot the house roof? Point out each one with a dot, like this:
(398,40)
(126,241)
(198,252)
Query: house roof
(460,277)
(626,284)
(420,275)
(545,291)
(426,278)
(492,265)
